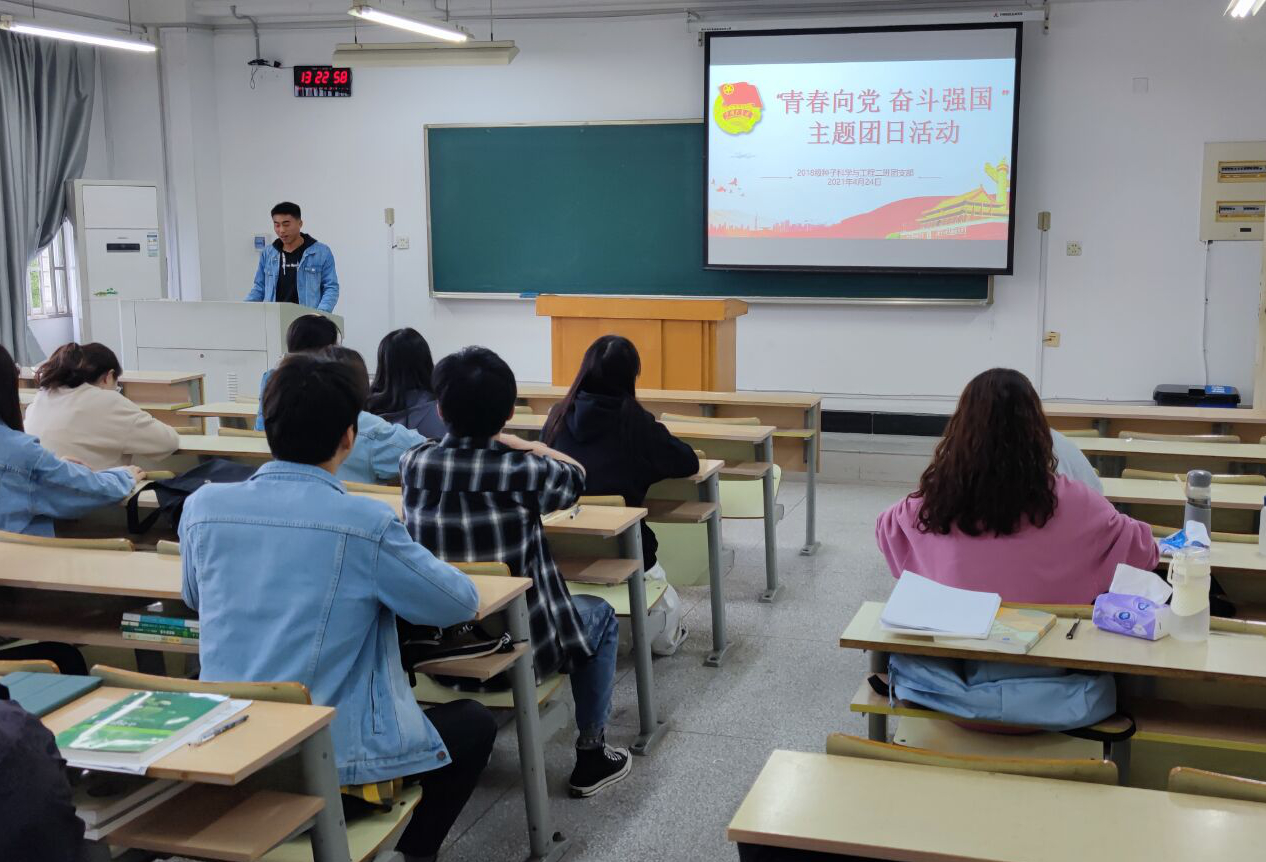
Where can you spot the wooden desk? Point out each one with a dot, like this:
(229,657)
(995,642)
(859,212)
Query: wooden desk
(1111,418)
(760,437)
(232,414)
(1246,452)
(797,441)
(1232,658)
(1172,493)
(274,729)
(873,809)
(237,448)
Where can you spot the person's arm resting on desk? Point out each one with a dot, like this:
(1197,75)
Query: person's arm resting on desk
(419,588)
(67,490)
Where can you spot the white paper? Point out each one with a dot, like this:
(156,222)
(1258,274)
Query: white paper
(1197,534)
(1130,581)
(922,606)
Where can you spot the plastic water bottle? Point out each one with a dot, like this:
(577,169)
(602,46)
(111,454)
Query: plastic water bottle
(1261,530)
(1189,574)
(1199,505)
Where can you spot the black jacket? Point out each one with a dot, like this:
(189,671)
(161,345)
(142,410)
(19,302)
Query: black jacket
(623,461)
(37,818)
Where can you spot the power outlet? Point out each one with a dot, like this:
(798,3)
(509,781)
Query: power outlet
(402,243)
(1051,339)
(1073,249)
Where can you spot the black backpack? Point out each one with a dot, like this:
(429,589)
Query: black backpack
(173,492)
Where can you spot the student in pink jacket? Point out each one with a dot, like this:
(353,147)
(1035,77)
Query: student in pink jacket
(991,513)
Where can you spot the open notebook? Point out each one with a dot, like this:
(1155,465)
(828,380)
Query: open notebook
(919,606)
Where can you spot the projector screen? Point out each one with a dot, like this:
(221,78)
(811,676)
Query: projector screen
(877,149)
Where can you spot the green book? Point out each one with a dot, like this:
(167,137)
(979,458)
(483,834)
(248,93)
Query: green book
(134,732)
(156,629)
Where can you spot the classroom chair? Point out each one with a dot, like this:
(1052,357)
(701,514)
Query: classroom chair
(1227,521)
(83,544)
(1081,432)
(367,488)
(522,410)
(1185,779)
(1090,771)
(1178,438)
(1219,478)
(369,837)
(742,494)
(27,665)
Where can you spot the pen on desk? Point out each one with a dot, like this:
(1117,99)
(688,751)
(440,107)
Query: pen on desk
(228,725)
(1072,630)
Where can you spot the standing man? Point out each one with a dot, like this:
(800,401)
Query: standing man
(295,268)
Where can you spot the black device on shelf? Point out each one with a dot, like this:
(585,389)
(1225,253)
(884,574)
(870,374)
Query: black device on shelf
(1175,395)
(322,81)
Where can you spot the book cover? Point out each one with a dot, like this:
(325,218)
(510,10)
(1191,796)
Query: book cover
(139,722)
(155,629)
(160,639)
(170,613)
(1014,630)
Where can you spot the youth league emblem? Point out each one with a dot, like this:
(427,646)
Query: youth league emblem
(737,108)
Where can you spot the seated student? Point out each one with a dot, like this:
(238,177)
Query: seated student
(402,391)
(295,579)
(1072,462)
(36,487)
(80,413)
(623,448)
(379,444)
(39,822)
(478,495)
(992,514)
(306,334)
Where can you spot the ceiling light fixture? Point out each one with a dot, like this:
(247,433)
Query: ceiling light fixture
(7,23)
(434,29)
(1244,8)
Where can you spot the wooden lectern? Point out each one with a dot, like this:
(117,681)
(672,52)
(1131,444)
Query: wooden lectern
(684,343)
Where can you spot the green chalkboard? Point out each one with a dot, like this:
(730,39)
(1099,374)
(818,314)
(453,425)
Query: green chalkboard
(605,208)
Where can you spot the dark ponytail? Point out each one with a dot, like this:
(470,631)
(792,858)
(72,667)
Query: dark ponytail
(10,402)
(74,364)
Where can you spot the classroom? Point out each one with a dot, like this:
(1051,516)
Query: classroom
(604,430)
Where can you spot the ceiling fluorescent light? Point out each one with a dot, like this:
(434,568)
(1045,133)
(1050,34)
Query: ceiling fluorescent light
(362,54)
(7,23)
(433,29)
(1244,8)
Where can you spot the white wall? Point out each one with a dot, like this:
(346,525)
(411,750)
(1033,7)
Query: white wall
(1118,171)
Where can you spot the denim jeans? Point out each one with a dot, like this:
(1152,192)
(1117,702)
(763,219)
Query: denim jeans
(593,680)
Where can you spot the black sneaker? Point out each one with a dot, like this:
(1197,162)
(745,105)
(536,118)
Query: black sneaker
(598,767)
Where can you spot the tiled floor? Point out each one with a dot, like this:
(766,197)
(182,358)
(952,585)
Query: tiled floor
(785,684)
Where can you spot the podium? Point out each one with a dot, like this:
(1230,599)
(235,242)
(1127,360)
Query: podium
(232,343)
(684,343)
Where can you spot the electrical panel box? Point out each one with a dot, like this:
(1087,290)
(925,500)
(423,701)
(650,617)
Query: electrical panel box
(1233,191)
(119,247)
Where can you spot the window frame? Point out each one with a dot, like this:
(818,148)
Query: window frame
(53,273)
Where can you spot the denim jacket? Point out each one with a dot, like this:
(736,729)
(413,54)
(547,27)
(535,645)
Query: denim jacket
(379,445)
(295,579)
(317,282)
(36,486)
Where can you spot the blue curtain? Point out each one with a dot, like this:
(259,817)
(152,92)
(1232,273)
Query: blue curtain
(46,90)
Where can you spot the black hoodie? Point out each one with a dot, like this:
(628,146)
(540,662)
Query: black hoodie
(623,461)
(288,269)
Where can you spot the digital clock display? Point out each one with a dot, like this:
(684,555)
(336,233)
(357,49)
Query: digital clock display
(322,81)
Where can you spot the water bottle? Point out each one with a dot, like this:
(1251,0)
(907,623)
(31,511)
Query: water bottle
(1199,499)
(1189,575)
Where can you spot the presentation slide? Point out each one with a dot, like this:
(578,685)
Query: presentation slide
(879,149)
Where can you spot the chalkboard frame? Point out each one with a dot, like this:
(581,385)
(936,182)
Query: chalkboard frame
(951,302)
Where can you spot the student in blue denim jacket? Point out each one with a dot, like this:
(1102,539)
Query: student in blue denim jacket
(295,268)
(379,444)
(306,334)
(36,486)
(295,579)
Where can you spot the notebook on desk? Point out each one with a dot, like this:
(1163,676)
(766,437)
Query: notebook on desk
(920,606)
(41,693)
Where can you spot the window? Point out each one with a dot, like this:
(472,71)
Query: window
(52,276)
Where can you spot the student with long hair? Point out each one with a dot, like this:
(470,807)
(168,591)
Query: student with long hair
(991,512)
(80,413)
(375,457)
(623,448)
(402,392)
(36,486)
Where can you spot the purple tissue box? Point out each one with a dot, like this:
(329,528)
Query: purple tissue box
(1131,615)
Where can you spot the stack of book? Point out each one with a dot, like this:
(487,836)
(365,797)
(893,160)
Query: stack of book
(161,622)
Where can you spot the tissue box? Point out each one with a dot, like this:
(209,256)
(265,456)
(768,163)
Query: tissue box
(1135,616)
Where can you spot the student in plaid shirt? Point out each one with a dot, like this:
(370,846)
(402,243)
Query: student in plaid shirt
(478,495)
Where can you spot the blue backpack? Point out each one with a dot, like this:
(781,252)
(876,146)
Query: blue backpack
(1041,697)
